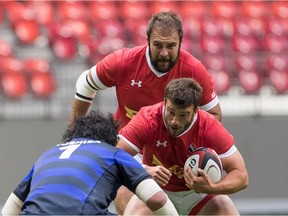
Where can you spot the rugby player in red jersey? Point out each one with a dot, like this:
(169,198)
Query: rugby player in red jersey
(140,75)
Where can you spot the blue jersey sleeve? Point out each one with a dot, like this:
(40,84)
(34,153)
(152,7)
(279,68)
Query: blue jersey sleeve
(132,171)
(22,190)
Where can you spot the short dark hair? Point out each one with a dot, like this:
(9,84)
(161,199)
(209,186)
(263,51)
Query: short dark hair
(183,92)
(94,126)
(166,20)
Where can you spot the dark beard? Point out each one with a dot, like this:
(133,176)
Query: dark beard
(171,63)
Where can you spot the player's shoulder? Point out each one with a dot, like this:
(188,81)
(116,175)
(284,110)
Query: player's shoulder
(152,114)
(205,116)
(186,57)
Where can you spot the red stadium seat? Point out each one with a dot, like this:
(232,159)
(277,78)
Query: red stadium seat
(41,79)
(276,62)
(1,13)
(225,9)
(75,10)
(10,65)
(100,48)
(210,27)
(110,28)
(108,44)
(103,10)
(43,11)
(277,26)
(215,62)
(136,31)
(6,48)
(217,26)
(64,48)
(14,85)
(36,65)
(222,81)
(256,9)
(280,9)
(192,27)
(136,10)
(193,9)
(27,31)
(13,79)
(158,6)
(212,45)
(43,85)
(246,62)
(250,26)
(275,44)
(251,81)
(244,44)
(17,11)
(226,26)
(279,80)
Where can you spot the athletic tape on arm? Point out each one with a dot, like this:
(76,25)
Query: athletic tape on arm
(83,88)
(146,189)
(12,206)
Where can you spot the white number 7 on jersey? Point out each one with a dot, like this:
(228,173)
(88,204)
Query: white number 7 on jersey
(68,150)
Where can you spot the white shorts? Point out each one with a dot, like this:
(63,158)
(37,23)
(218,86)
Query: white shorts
(187,202)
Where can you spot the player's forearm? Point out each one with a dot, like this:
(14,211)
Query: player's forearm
(233,182)
(79,108)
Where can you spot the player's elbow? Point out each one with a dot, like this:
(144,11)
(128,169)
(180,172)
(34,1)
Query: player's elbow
(245,180)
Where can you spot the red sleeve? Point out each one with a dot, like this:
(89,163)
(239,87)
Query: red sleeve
(219,138)
(109,69)
(137,130)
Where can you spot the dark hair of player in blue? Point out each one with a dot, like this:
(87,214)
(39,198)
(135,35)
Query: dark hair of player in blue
(94,126)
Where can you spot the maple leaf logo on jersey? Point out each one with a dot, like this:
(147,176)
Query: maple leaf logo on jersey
(159,143)
(191,147)
(139,84)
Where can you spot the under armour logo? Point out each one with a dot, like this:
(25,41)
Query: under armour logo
(133,82)
(164,144)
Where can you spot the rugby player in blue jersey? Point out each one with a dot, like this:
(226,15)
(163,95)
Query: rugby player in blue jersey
(81,175)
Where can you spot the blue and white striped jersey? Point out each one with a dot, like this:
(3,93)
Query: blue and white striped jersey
(78,177)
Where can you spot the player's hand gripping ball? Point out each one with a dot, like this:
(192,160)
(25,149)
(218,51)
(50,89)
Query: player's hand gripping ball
(206,159)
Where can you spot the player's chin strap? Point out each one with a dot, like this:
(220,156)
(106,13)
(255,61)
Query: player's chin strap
(12,206)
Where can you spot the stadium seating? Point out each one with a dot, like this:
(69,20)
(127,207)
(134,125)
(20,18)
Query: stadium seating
(242,43)
(279,81)
(41,80)
(13,80)
(251,81)
(6,49)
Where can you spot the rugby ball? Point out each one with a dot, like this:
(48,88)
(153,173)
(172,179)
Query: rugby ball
(206,159)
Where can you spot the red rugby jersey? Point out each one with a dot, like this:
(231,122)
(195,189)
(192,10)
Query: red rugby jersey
(138,84)
(147,132)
